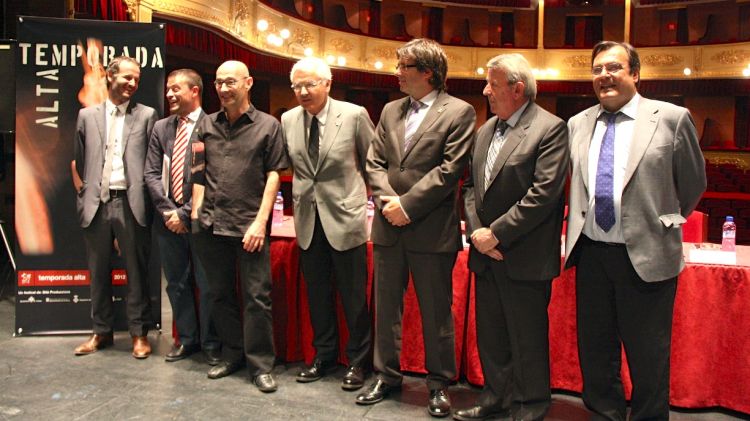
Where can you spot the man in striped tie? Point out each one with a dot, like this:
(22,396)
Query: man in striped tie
(167,177)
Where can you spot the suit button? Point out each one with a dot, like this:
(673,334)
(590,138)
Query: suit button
(401,169)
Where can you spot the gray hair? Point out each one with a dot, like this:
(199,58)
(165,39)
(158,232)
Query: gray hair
(516,69)
(312,65)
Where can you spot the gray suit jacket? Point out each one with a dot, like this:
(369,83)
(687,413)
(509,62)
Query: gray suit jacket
(664,180)
(425,176)
(161,145)
(335,187)
(524,201)
(90,142)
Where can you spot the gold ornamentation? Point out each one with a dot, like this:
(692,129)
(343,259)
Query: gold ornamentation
(341,45)
(452,58)
(732,57)
(384,52)
(578,61)
(169,6)
(132,6)
(301,36)
(662,60)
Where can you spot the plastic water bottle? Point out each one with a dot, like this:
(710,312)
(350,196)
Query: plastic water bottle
(370,208)
(728,234)
(278,210)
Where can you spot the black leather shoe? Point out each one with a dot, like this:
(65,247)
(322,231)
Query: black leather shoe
(223,369)
(213,356)
(439,404)
(180,352)
(265,383)
(353,379)
(314,372)
(479,412)
(375,393)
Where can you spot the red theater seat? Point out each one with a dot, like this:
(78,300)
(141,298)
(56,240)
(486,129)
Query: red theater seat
(695,229)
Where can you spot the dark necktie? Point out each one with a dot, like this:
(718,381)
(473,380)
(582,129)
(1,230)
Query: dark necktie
(411,124)
(604,202)
(313,142)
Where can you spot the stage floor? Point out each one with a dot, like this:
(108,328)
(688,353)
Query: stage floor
(40,378)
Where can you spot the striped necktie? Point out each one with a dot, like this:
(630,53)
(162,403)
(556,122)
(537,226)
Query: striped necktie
(178,160)
(412,123)
(497,142)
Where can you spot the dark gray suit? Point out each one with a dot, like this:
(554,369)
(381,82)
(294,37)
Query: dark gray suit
(126,219)
(523,206)
(425,177)
(176,250)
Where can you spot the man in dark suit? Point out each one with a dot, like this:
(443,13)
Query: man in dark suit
(167,177)
(420,152)
(514,208)
(110,146)
(637,172)
(327,142)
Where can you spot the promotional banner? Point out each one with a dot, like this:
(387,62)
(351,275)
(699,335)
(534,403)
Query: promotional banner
(60,67)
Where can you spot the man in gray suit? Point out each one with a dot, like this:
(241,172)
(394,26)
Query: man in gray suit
(637,173)
(327,142)
(167,175)
(110,146)
(514,202)
(420,152)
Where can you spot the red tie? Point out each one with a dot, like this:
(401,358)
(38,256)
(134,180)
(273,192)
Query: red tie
(178,160)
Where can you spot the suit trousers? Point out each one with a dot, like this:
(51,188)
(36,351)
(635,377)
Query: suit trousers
(319,262)
(183,272)
(432,274)
(248,334)
(513,341)
(614,304)
(115,220)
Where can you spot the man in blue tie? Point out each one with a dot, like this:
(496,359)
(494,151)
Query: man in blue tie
(637,172)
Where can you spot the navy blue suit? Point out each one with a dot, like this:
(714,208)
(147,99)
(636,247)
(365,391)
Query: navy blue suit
(177,252)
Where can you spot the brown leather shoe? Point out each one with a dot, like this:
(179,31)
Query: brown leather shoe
(94,343)
(141,347)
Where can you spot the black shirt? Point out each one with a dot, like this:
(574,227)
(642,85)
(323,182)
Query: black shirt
(237,158)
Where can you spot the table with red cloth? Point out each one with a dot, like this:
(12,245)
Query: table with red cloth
(710,339)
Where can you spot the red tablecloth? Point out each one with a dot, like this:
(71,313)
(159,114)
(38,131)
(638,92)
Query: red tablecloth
(710,345)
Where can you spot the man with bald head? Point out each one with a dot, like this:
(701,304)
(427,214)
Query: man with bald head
(233,194)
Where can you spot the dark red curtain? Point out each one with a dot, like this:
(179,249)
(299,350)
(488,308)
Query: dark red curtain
(102,9)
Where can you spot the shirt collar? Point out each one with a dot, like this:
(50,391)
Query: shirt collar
(250,113)
(428,99)
(630,109)
(109,106)
(517,115)
(193,116)
(321,115)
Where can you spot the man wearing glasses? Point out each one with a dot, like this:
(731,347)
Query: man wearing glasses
(327,142)
(637,173)
(232,199)
(420,152)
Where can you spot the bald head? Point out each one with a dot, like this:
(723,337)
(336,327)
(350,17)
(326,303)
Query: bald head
(233,83)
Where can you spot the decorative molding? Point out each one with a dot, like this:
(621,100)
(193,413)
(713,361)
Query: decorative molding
(302,37)
(740,160)
(578,61)
(132,9)
(168,6)
(386,53)
(657,60)
(341,45)
(732,57)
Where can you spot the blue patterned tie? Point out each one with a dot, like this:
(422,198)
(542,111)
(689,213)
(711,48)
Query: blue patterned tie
(604,202)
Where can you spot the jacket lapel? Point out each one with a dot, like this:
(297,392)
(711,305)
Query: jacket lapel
(646,122)
(433,113)
(127,126)
(400,127)
(513,137)
(333,124)
(101,124)
(300,134)
(585,143)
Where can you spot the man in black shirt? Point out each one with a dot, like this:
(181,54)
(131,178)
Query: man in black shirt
(232,199)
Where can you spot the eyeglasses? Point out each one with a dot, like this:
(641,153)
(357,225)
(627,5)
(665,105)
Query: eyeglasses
(231,83)
(297,87)
(611,68)
(404,66)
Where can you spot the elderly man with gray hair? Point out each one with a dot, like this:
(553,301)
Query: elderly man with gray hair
(327,142)
(513,203)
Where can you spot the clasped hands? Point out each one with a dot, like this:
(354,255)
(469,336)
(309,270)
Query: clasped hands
(393,212)
(485,242)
